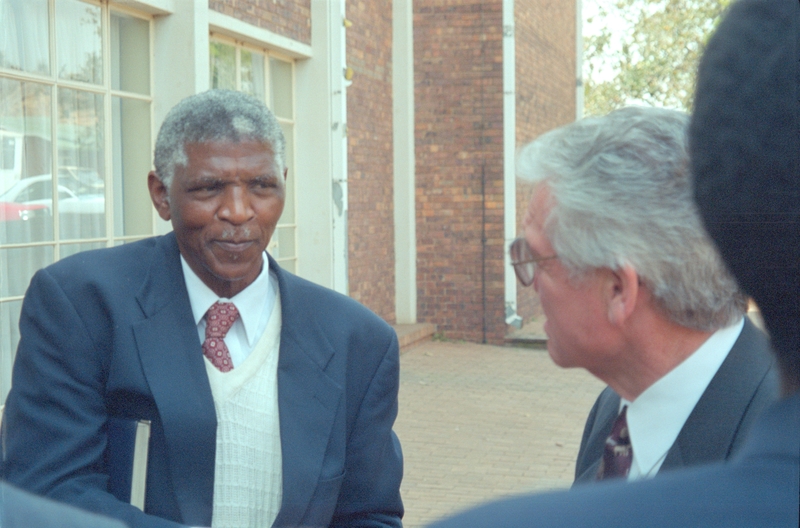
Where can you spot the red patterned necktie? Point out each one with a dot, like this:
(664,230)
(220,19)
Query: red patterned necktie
(618,454)
(219,319)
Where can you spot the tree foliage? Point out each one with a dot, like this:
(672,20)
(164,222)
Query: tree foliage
(655,60)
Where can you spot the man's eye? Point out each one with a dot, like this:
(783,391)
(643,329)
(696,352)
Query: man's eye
(264,184)
(207,188)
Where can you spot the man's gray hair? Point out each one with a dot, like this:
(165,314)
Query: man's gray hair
(622,195)
(215,115)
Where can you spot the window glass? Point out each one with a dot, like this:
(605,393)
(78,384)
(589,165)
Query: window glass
(24,36)
(9,337)
(252,64)
(69,172)
(131,155)
(17,266)
(25,130)
(223,65)
(80,161)
(79,41)
(281,83)
(130,54)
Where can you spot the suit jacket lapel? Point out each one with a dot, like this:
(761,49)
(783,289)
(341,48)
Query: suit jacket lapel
(607,409)
(308,401)
(710,429)
(172,360)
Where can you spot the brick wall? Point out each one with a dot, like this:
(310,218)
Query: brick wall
(370,156)
(459,144)
(545,86)
(289,18)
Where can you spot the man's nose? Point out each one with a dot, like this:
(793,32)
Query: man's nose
(236,206)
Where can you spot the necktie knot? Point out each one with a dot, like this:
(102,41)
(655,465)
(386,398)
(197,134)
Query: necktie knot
(219,319)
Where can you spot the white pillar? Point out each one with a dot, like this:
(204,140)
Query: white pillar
(180,63)
(405,218)
(321,183)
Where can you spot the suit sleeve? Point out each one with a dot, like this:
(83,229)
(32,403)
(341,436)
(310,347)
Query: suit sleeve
(55,413)
(370,493)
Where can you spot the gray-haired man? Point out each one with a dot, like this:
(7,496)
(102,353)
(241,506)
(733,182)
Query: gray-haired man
(635,292)
(271,399)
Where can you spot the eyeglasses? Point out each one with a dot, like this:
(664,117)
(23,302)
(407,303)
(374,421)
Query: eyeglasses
(524,262)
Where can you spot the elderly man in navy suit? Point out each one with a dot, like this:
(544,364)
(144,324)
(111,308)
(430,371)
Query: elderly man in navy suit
(271,399)
(745,147)
(635,292)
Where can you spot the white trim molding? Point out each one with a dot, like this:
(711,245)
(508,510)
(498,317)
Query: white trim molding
(257,36)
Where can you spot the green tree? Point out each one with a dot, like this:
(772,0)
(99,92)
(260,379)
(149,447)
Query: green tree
(653,59)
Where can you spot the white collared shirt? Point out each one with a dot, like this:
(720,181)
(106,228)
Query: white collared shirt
(657,415)
(255,304)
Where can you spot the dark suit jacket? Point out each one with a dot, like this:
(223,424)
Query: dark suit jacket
(19,509)
(111,333)
(759,487)
(745,384)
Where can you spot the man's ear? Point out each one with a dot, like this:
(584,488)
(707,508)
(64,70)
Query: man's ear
(159,194)
(622,293)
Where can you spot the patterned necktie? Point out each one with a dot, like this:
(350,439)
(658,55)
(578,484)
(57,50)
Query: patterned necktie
(618,454)
(219,319)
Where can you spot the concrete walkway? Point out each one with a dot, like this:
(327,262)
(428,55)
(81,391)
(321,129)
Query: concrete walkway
(478,422)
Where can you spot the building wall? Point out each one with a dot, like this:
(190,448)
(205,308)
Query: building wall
(459,140)
(370,157)
(545,33)
(289,18)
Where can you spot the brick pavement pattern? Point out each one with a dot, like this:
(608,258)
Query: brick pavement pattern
(478,422)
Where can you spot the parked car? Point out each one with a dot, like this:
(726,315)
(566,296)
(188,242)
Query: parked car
(81,206)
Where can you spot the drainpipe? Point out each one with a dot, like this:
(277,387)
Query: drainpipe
(509,161)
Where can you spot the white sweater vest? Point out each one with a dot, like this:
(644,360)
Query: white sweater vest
(248,476)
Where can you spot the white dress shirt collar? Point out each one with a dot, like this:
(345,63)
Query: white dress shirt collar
(658,414)
(249,302)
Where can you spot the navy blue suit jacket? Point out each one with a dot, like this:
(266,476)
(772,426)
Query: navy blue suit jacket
(759,487)
(111,333)
(19,509)
(745,384)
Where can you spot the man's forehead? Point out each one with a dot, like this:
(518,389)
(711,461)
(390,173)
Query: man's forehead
(222,144)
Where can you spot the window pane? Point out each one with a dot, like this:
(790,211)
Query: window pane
(80,164)
(131,144)
(9,338)
(288,215)
(17,266)
(252,65)
(130,54)
(223,65)
(25,214)
(79,41)
(280,73)
(24,36)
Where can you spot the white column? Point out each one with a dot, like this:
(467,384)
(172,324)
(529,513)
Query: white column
(321,160)
(509,160)
(405,221)
(180,63)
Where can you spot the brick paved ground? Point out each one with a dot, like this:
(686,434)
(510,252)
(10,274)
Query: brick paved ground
(478,422)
